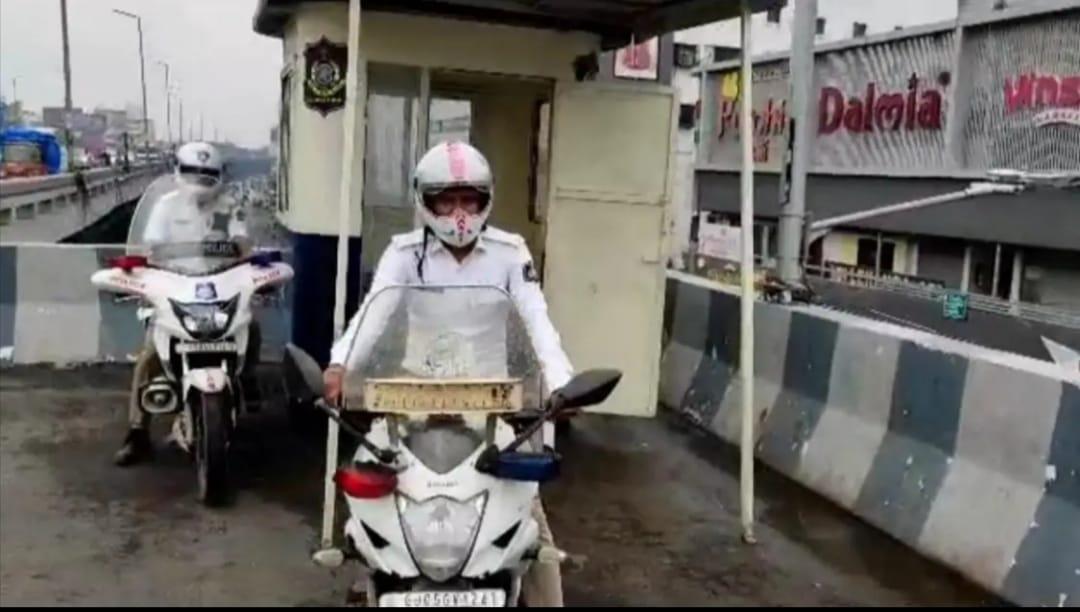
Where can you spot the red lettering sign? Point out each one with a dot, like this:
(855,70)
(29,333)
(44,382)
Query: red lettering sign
(1041,91)
(920,108)
(769,122)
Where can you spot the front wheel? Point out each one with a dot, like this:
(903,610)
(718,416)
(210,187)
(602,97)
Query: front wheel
(212,447)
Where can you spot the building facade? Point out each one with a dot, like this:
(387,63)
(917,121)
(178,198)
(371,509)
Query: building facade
(915,113)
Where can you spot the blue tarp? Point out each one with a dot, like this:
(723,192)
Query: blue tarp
(51,153)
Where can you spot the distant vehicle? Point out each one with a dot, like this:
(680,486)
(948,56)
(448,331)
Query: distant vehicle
(26,152)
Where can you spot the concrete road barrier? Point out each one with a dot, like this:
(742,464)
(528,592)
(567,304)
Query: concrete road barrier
(50,313)
(969,455)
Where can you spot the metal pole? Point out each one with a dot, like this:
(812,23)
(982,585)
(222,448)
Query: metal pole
(67,78)
(793,211)
(765,235)
(352,147)
(965,274)
(1017,276)
(168,104)
(180,133)
(997,270)
(975,189)
(142,73)
(877,258)
(746,300)
(142,77)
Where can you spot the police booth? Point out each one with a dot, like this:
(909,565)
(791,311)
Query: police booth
(583,167)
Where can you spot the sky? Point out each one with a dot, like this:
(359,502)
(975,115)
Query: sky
(878,15)
(222,69)
(227,73)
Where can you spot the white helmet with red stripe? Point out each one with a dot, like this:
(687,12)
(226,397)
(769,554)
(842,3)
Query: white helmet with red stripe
(452,165)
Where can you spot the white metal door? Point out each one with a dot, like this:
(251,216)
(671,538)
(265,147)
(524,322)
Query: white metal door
(610,186)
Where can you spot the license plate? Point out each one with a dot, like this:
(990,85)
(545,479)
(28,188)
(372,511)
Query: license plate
(206,347)
(483,598)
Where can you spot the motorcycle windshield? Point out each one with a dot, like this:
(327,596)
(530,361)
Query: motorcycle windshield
(445,334)
(453,334)
(176,232)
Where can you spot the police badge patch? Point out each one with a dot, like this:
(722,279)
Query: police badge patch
(205,291)
(324,75)
(528,272)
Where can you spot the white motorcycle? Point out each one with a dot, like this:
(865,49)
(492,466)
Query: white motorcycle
(441,489)
(197,298)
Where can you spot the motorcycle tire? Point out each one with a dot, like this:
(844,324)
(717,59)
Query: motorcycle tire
(212,447)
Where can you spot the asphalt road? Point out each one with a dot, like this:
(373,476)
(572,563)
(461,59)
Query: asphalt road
(650,506)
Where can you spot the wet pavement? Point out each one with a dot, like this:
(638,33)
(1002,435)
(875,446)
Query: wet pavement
(650,508)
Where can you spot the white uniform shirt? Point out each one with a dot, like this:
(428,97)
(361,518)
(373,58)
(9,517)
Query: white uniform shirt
(499,259)
(178,218)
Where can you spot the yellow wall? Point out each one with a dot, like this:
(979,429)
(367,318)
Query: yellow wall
(843,247)
(502,130)
(471,45)
(314,170)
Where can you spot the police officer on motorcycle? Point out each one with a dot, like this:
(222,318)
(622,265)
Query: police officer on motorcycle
(197,210)
(454,194)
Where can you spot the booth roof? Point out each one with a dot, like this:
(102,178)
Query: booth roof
(615,21)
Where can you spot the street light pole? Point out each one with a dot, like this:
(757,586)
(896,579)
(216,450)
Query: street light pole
(168,103)
(67,78)
(800,142)
(142,73)
(746,273)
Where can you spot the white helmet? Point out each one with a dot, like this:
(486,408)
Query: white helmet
(446,166)
(199,167)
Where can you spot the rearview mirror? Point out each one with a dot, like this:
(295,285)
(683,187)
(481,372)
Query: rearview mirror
(303,376)
(589,388)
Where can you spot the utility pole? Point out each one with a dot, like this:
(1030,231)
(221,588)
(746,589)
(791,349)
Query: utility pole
(800,142)
(142,74)
(746,274)
(67,78)
(180,100)
(168,104)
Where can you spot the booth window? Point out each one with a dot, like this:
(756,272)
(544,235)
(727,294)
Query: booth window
(686,56)
(449,119)
(686,116)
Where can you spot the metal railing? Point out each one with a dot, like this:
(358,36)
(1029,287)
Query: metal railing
(24,198)
(986,303)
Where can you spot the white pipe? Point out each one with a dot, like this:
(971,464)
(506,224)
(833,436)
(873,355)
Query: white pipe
(746,300)
(353,99)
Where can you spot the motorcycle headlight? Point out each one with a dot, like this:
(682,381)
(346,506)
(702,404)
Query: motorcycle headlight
(440,532)
(206,320)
